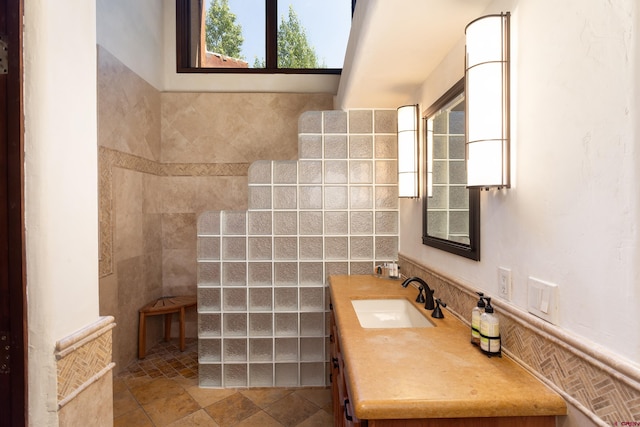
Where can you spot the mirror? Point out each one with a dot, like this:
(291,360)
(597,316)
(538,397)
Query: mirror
(451,211)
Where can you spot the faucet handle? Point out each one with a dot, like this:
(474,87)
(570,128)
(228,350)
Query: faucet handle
(428,293)
(437,312)
(420,297)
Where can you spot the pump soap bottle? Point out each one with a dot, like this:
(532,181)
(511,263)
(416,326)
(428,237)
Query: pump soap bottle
(475,319)
(489,331)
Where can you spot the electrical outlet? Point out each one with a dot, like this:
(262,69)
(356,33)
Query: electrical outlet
(543,300)
(504,283)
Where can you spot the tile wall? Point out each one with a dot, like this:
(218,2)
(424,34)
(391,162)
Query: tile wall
(596,384)
(164,158)
(84,366)
(130,239)
(262,296)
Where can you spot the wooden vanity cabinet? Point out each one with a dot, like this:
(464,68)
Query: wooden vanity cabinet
(344,415)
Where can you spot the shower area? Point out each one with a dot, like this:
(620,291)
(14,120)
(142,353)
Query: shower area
(262,273)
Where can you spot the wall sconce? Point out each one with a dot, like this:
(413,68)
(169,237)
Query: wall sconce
(408,119)
(487,93)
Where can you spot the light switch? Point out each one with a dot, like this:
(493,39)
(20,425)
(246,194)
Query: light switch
(504,283)
(543,299)
(544,303)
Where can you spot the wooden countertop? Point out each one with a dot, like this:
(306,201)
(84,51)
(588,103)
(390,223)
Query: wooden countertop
(428,372)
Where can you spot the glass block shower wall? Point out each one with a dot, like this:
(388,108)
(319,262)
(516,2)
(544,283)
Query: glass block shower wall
(262,273)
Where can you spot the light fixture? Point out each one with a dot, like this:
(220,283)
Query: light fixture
(487,94)
(408,119)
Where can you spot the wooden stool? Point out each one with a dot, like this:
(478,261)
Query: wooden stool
(166,306)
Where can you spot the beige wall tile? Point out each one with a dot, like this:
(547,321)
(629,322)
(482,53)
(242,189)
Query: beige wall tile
(139,282)
(234,127)
(109,295)
(221,193)
(152,233)
(152,203)
(178,230)
(177,194)
(128,236)
(99,397)
(128,191)
(179,270)
(84,375)
(129,109)
(152,268)
(156,201)
(127,214)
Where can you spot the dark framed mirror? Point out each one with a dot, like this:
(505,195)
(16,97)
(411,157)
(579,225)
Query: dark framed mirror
(451,211)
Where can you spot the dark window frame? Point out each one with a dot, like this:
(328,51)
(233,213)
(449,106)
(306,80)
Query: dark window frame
(184,46)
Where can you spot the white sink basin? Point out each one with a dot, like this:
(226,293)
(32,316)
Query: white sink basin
(389,313)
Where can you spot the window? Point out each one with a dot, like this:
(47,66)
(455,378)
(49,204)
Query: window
(262,36)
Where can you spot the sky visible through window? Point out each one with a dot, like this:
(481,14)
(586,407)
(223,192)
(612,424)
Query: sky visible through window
(327,24)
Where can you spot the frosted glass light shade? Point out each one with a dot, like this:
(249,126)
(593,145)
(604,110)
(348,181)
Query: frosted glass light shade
(408,151)
(487,94)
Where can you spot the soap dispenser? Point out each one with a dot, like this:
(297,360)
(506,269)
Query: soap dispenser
(489,331)
(393,270)
(475,319)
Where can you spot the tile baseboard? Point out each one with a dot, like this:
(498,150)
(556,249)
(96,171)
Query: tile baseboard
(83,358)
(602,385)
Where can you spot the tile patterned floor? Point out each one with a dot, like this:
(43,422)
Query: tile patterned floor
(162,390)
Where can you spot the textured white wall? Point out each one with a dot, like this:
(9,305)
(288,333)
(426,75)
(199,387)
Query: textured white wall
(572,214)
(133,32)
(61,184)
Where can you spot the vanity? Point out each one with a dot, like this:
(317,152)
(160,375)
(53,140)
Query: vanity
(427,376)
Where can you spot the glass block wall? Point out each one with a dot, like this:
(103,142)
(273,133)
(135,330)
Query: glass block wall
(262,273)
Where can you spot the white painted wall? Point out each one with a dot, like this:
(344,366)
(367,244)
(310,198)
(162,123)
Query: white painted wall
(191,82)
(573,212)
(61,186)
(394,45)
(133,32)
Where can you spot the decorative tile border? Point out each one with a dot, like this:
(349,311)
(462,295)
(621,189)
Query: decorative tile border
(83,358)
(205,169)
(109,158)
(603,386)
